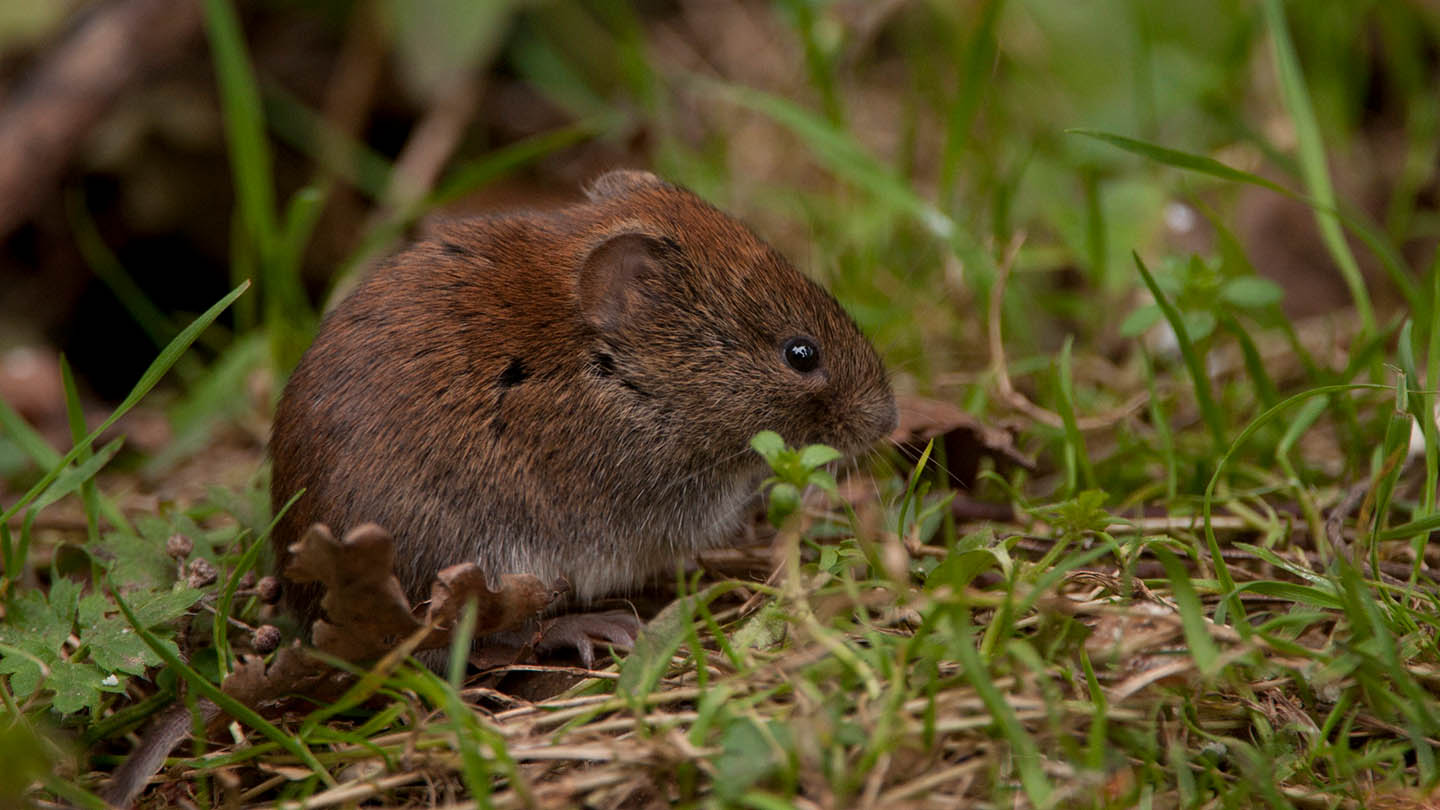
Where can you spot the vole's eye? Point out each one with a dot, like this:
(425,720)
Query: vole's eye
(801,354)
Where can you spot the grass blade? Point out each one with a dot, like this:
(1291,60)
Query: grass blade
(27,438)
(229,705)
(250,163)
(1183,160)
(1160,421)
(89,496)
(1023,748)
(839,152)
(1074,441)
(148,380)
(467,178)
(1312,158)
(1208,409)
(1207,502)
(107,267)
(334,151)
(979,57)
(73,478)
(1192,614)
(1375,240)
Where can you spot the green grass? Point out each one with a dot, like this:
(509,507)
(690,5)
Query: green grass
(1213,592)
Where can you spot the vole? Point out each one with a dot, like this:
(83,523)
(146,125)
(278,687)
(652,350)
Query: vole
(568,394)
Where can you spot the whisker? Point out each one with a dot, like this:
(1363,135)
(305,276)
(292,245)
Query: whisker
(951,477)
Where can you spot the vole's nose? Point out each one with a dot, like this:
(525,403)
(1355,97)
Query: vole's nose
(891,419)
(879,418)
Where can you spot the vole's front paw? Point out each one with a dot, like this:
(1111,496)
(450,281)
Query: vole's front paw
(580,631)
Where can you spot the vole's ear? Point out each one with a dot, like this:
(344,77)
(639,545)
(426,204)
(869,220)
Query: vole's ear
(621,181)
(613,279)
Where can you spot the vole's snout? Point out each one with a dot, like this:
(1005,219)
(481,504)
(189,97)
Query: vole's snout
(869,419)
(890,415)
(882,417)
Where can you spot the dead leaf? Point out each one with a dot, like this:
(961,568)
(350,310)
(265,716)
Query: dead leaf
(293,671)
(365,612)
(365,609)
(964,438)
(520,597)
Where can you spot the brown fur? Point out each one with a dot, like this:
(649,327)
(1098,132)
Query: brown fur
(566,394)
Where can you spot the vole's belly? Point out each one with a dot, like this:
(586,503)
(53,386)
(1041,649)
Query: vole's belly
(620,558)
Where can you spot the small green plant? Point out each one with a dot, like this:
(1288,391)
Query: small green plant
(1204,290)
(34,652)
(795,470)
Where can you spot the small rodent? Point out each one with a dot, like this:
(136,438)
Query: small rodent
(569,394)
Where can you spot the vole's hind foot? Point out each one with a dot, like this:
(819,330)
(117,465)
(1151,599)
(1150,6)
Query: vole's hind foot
(581,631)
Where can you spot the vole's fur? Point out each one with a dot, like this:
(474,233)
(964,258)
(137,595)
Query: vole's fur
(567,394)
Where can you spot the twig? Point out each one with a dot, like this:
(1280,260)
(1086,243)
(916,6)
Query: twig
(1014,398)
(1335,521)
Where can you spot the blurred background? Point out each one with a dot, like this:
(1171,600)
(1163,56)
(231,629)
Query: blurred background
(907,153)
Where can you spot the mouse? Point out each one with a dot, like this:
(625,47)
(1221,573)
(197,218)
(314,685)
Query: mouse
(567,393)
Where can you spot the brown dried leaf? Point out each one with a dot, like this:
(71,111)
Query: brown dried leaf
(520,597)
(292,672)
(965,439)
(365,609)
(365,612)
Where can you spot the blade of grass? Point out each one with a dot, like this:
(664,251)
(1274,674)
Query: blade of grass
(250,163)
(227,704)
(1207,501)
(472,734)
(1368,620)
(1074,441)
(148,380)
(466,179)
(658,641)
(1095,748)
(1183,160)
(63,480)
(1196,366)
(221,626)
(1375,240)
(471,175)
(1394,448)
(1022,746)
(27,438)
(477,777)
(979,57)
(908,501)
(1290,592)
(841,154)
(818,64)
(1421,526)
(107,267)
(289,319)
(316,138)
(215,396)
(1254,364)
(73,478)
(75,412)
(1312,157)
(1293,431)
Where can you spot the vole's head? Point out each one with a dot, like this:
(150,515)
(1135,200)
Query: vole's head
(698,321)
